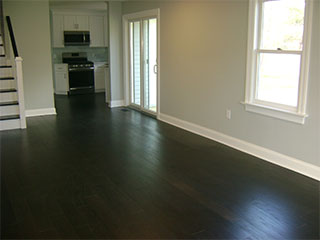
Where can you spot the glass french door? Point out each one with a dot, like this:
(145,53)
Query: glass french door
(143,64)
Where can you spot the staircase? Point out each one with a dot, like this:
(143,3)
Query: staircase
(9,105)
(12,112)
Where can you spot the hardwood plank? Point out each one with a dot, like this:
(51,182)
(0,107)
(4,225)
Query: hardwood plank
(91,172)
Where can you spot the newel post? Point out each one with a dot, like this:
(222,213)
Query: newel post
(19,76)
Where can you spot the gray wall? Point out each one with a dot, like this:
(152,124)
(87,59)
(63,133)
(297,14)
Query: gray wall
(315,71)
(30,21)
(115,46)
(203,70)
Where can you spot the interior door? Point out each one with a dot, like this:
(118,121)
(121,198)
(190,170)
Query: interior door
(143,64)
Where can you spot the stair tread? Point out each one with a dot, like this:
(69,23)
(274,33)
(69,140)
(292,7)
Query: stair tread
(2,55)
(6,78)
(6,66)
(9,103)
(8,90)
(9,117)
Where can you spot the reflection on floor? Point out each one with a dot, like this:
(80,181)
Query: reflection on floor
(92,172)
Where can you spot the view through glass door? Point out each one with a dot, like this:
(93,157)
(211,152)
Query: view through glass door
(143,64)
(135,63)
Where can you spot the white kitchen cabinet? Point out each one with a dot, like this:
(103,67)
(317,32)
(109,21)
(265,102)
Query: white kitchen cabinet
(69,23)
(83,23)
(57,28)
(61,79)
(106,31)
(97,30)
(96,23)
(101,76)
(76,23)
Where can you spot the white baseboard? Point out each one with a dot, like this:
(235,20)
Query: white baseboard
(40,112)
(116,103)
(282,160)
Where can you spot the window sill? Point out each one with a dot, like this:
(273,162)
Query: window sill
(275,113)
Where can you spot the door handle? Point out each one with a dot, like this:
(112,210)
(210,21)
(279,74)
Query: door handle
(155,69)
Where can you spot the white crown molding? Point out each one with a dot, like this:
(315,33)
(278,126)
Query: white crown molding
(282,160)
(78,5)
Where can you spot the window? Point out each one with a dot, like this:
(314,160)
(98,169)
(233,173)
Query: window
(278,57)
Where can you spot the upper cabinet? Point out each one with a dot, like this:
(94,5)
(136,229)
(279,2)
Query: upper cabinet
(57,28)
(96,23)
(98,26)
(75,23)
(106,32)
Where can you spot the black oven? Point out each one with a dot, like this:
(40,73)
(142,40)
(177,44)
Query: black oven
(81,78)
(81,73)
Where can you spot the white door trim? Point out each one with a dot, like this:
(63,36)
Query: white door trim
(126,55)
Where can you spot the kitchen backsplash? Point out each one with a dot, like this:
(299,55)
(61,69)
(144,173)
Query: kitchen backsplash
(94,54)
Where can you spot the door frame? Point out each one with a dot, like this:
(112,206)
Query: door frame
(153,13)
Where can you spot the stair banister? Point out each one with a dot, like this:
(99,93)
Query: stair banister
(19,74)
(12,38)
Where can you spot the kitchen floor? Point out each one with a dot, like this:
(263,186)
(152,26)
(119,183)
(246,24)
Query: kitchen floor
(94,172)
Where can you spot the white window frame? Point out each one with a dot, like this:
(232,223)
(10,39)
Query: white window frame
(294,114)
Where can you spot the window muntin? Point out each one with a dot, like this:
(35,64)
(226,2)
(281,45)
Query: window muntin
(283,44)
(278,58)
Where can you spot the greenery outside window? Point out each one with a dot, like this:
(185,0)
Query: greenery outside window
(278,58)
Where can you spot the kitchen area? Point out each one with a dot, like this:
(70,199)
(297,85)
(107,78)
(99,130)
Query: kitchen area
(80,48)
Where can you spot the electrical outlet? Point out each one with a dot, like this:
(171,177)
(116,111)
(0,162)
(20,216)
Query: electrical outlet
(228,114)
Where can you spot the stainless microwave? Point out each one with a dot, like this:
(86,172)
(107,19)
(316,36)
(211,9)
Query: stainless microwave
(76,38)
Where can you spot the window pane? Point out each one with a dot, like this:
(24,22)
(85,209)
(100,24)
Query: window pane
(135,54)
(150,75)
(278,78)
(282,26)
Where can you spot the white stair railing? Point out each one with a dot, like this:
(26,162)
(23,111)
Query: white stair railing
(19,79)
(18,75)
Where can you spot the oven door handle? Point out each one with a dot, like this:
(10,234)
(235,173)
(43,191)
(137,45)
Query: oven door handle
(80,69)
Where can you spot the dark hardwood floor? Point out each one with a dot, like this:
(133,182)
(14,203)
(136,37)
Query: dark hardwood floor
(91,172)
